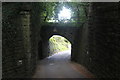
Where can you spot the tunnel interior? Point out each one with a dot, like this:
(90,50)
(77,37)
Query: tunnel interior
(93,31)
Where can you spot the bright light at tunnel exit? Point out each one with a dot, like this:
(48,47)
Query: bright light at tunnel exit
(64,14)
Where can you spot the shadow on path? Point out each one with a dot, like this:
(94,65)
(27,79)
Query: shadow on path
(60,66)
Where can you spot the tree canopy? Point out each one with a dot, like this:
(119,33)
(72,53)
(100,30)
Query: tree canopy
(50,11)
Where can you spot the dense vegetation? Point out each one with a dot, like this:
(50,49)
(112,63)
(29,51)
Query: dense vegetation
(50,11)
(58,43)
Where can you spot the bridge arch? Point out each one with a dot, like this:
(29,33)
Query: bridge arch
(68,32)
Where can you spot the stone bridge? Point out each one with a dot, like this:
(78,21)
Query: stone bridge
(25,35)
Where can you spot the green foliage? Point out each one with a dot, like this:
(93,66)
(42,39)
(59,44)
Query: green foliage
(47,10)
(58,43)
(51,10)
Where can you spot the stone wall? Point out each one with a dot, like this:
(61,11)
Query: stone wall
(21,28)
(13,53)
(98,44)
(104,47)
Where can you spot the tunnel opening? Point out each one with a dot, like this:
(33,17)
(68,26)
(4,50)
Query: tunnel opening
(59,45)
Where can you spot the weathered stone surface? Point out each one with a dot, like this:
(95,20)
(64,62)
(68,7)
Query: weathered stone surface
(98,44)
(95,44)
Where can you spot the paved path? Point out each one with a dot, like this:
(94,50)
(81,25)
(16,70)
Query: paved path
(60,66)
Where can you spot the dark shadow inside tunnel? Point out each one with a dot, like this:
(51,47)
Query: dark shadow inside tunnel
(40,51)
(59,45)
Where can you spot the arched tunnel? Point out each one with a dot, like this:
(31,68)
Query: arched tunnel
(93,31)
(67,31)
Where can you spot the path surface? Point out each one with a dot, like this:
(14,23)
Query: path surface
(60,66)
